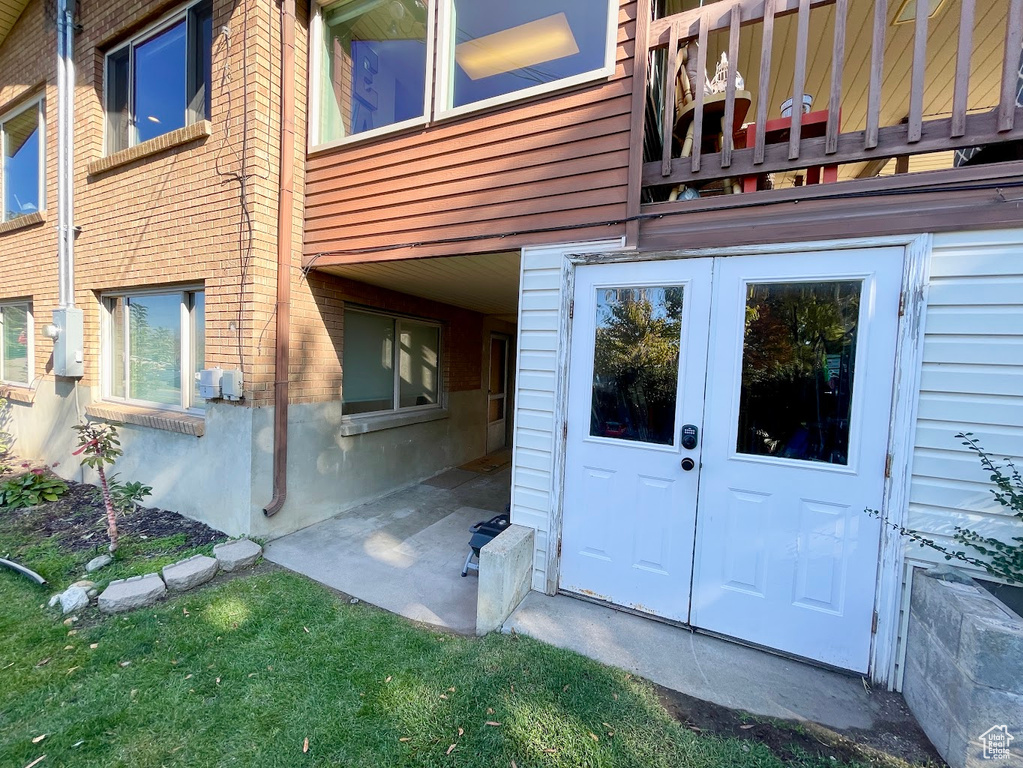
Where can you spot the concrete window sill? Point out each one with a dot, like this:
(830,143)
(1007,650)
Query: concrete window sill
(360,425)
(171,421)
(28,220)
(16,393)
(189,133)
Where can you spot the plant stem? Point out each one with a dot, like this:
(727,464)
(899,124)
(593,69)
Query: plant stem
(108,503)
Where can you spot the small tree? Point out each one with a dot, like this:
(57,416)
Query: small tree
(1001,559)
(99,445)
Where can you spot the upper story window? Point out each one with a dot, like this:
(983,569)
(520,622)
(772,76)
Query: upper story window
(159,81)
(24,155)
(374,63)
(153,345)
(16,343)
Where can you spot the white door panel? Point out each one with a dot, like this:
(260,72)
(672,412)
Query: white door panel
(630,508)
(786,556)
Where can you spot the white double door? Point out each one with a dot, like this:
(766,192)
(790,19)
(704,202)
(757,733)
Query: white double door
(728,423)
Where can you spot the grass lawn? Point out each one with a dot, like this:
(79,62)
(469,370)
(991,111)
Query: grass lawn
(244,671)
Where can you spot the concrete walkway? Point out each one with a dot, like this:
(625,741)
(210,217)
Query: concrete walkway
(700,666)
(404,552)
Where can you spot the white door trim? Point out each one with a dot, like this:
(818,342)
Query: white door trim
(901,437)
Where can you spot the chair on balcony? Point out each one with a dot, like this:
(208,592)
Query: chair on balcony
(687,78)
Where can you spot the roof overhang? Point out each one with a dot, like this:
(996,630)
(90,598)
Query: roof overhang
(10,11)
(487,283)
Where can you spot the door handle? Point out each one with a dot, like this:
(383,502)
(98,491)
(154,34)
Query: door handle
(688,464)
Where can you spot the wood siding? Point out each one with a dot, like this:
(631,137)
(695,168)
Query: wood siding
(483,182)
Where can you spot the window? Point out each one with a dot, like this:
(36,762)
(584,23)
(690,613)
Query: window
(160,81)
(21,171)
(374,59)
(155,344)
(373,66)
(390,363)
(16,343)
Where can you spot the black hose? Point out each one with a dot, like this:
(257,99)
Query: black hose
(24,571)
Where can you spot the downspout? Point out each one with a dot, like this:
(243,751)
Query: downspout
(65,154)
(285,223)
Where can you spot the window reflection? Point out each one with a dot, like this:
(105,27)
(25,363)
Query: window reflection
(635,365)
(797,370)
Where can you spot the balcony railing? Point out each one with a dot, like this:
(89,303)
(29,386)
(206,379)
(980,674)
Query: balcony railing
(906,78)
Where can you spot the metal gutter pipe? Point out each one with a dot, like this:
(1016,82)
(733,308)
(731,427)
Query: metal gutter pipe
(285,223)
(65,153)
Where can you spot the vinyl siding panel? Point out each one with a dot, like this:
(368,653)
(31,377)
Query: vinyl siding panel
(554,162)
(972,381)
(541,345)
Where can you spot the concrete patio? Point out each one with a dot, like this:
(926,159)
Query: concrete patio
(405,551)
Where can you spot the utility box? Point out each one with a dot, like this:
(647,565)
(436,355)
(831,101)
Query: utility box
(68,343)
(231,385)
(209,383)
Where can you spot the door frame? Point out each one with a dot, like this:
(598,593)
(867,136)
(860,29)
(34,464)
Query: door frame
(901,436)
(508,358)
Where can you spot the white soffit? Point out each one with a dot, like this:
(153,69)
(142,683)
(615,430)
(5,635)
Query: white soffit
(487,283)
(10,10)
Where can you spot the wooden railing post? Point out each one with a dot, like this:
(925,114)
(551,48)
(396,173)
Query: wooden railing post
(701,68)
(668,120)
(799,78)
(1010,66)
(916,87)
(837,70)
(764,87)
(876,72)
(728,124)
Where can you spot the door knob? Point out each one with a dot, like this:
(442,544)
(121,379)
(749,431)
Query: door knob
(688,464)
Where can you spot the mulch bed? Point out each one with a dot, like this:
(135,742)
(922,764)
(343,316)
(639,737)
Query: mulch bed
(77,520)
(896,740)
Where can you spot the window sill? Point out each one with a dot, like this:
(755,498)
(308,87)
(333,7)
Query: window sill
(186,135)
(171,421)
(17,393)
(28,220)
(360,425)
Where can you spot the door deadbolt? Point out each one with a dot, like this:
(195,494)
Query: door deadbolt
(688,464)
(690,436)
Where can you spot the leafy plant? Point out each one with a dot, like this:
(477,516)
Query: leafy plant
(125,496)
(32,488)
(6,438)
(99,446)
(1001,559)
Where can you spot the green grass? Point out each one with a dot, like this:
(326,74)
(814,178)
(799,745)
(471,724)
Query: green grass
(243,672)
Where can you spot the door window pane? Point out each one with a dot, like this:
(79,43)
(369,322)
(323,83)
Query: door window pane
(635,364)
(368,362)
(374,66)
(798,360)
(14,319)
(501,48)
(154,343)
(418,358)
(20,170)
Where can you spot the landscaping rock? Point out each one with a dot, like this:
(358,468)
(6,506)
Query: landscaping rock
(84,584)
(54,600)
(235,555)
(190,573)
(73,599)
(128,594)
(93,593)
(98,562)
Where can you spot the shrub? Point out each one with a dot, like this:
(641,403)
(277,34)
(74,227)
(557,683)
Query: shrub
(1001,559)
(125,496)
(32,488)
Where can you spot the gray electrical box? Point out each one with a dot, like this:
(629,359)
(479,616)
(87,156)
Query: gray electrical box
(68,346)
(231,385)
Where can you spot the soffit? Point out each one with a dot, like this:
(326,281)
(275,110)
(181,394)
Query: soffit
(10,10)
(486,283)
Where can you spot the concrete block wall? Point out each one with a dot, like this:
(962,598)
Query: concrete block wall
(964,668)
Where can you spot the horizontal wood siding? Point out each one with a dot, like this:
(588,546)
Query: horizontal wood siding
(483,181)
(972,381)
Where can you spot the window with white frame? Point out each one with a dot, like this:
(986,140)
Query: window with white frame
(24,156)
(389,363)
(16,342)
(159,81)
(374,60)
(154,344)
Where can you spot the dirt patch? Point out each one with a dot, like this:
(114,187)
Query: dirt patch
(77,522)
(896,741)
